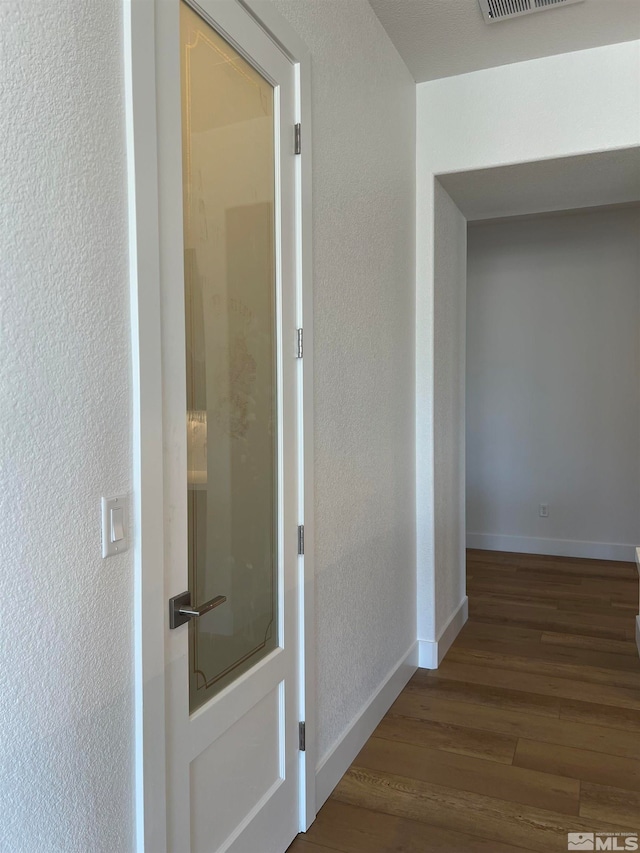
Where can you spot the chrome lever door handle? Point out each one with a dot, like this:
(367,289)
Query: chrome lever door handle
(188,610)
(180,609)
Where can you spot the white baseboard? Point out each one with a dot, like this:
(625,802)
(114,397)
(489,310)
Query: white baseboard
(551,547)
(432,653)
(335,763)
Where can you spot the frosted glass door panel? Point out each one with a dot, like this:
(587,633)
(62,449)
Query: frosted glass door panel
(230,300)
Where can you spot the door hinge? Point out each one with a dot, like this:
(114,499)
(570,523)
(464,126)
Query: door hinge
(301,737)
(301,539)
(297,138)
(300,344)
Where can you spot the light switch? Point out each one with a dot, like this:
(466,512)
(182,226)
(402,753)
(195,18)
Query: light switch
(117,524)
(114,525)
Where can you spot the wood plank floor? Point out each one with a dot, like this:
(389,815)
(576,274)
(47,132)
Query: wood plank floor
(529,729)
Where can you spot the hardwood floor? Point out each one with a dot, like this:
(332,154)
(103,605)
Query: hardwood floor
(529,729)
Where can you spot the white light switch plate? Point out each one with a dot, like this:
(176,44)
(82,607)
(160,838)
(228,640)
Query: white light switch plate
(109,545)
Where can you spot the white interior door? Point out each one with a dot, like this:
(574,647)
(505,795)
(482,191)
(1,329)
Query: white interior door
(226,107)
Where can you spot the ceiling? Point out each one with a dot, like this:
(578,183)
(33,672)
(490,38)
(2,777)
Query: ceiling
(588,180)
(441,38)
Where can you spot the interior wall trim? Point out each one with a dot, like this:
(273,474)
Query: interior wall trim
(337,760)
(551,547)
(431,653)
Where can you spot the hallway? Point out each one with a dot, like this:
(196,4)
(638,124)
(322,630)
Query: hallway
(529,729)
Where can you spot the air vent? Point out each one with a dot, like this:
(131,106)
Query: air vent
(500,10)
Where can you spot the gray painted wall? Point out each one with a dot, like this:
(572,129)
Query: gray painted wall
(553,381)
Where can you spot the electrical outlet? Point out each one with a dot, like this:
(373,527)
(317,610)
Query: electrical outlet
(543,510)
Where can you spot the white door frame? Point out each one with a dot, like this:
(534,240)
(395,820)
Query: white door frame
(147,502)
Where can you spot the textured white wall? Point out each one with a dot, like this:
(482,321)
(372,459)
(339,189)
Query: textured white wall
(553,107)
(450,277)
(553,379)
(66,698)
(363,110)
(66,630)
(544,108)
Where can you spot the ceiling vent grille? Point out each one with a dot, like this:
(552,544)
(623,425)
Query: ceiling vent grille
(500,10)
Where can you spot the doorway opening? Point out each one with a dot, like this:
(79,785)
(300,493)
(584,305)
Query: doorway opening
(585,182)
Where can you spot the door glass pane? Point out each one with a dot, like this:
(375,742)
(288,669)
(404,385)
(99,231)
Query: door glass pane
(229,239)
